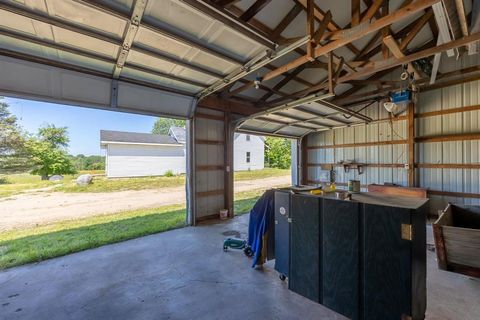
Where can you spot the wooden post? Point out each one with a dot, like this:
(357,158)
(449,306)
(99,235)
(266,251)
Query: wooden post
(411,144)
(385,31)
(330,72)
(228,164)
(355,12)
(311,30)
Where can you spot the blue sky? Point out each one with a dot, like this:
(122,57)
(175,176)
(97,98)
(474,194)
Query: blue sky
(83,124)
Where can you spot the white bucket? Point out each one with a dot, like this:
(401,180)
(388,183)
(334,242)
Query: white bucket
(223,214)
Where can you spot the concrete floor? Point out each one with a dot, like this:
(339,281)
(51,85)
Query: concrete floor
(184,274)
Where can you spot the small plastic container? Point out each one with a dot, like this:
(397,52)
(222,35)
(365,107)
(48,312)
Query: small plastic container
(223,214)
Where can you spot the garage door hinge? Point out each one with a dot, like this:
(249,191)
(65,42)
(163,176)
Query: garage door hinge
(407,232)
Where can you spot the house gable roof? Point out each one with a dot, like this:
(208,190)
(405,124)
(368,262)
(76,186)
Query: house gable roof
(107,136)
(179,134)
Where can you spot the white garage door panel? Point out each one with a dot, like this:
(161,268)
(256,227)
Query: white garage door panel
(155,101)
(144,160)
(75,87)
(32,80)
(29,80)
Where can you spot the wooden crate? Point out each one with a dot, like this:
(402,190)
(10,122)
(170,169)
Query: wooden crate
(457,239)
(398,190)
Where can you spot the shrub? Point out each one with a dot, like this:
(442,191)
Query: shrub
(169,173)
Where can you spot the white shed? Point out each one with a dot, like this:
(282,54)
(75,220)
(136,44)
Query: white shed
(131,154)
(249,152)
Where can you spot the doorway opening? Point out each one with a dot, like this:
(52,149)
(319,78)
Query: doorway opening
(260,163)
(74,178)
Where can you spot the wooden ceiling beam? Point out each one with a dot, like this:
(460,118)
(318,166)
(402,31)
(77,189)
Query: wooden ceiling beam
(292,14)
(380,68)
(462,18)
(332,26)
(372,10)
(416,29)
(226,3)
(385,30)
(255,8)
(267,31)
(368,52)
(394,62)
(284,82)
(217,103)
(355,34)
(310,29)
(355,8)
(322,27)
(397,52)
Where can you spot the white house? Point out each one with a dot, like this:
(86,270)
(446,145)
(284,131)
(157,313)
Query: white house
(249,152)
(131,154)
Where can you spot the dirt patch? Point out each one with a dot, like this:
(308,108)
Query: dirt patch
(40,208)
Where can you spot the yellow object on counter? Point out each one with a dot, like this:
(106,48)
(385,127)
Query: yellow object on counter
(330,188)
(316,192)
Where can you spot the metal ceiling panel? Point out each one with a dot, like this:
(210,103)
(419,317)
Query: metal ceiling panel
(79,14)
(261,125)
(53,54)
(147,61)
(148,77)
(183,18)
(149,38)
(293,131)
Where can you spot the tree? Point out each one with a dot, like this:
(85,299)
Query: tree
(162,125)
(14,155)
(277,153)
(57,137)
(49,153)
(82,162)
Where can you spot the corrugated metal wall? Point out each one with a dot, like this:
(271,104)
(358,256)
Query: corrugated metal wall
(392,154)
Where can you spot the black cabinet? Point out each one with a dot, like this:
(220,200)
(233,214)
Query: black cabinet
(305,249)
(365,259)
(340,262)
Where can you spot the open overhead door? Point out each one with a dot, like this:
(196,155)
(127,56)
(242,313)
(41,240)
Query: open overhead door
(149,57)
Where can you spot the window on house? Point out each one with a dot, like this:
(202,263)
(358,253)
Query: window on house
(248,137)
(248,157)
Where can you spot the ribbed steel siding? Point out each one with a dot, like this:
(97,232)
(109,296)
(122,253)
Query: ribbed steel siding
(211,155)
(458,152)
(366,154)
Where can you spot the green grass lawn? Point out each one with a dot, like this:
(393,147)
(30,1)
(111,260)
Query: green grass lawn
(260,174)
(18,183)
(103,184)
(39,243)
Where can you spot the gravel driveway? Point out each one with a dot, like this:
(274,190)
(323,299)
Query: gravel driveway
(44,207)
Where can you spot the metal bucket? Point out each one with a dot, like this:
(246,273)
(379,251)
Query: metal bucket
(354,186)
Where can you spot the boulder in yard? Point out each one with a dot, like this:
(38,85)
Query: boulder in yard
(84,180)
(56,177)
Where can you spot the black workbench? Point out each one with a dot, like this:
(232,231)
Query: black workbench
(364,258)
